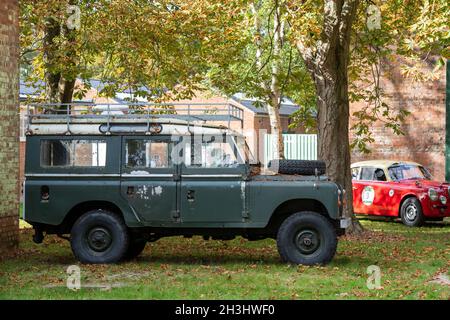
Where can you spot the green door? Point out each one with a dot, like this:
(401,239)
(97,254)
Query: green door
(148,178)
(213,190)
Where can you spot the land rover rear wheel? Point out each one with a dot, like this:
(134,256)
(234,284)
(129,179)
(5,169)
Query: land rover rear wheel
(307,238)
(99,236)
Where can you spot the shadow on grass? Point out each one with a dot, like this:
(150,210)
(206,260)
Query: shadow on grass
(398,222)
(208,259)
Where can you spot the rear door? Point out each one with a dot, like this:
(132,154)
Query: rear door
(363,191)
(149,178)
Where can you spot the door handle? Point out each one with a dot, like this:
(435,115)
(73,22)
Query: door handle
(130,190)
(191,195)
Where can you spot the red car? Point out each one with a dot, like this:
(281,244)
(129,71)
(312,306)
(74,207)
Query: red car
(399,189)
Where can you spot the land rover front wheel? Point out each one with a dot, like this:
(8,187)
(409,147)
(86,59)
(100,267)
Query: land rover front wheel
(307,238)
(99,236)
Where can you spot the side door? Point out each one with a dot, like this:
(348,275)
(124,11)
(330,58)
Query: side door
(382,198)
(149,178)
(363,191)
(212,189)
(371,190)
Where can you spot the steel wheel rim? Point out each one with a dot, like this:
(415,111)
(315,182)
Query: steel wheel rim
(307,241)
(99,239)
(411,212)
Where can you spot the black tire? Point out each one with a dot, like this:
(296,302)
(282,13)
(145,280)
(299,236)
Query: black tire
(301,167)
(294,246)
(135,248)
(99,236)
(411,213)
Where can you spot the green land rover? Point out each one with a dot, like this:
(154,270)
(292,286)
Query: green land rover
(111,178)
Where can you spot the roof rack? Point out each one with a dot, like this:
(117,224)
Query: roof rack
(133,113)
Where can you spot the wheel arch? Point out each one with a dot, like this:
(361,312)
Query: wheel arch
(292,206)
(405,197)
(83,207)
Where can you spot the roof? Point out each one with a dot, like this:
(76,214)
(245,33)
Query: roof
(286,109)
(29,90)
(381,163)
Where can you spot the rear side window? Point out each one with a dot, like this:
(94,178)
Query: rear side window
(355,173)
(147,154)
(367,173)
(73,153)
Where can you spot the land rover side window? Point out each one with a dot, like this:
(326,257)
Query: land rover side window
(147,154)
(212,152)
(73,153)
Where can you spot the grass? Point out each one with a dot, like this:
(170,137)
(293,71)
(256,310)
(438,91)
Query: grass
(178,268)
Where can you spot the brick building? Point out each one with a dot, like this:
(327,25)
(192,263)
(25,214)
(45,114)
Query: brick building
(9,125)
(425,128)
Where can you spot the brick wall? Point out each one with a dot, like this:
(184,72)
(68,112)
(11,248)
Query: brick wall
(424,128)
(9,126)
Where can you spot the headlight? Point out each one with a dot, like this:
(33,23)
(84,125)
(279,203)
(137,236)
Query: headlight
(432,193)
(443,199)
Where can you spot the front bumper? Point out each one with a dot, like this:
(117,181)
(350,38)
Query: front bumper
(435,209)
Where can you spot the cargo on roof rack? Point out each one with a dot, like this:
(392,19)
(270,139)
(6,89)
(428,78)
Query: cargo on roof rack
(107,117)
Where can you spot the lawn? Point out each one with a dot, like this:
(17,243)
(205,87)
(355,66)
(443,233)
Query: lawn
(178,268)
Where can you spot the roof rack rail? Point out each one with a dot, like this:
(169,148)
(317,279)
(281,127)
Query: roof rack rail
(190,114)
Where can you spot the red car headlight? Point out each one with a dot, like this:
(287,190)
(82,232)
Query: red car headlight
(432,193)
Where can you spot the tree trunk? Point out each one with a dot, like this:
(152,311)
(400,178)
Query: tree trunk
(68,77)
(68,87)
(273,90)
(275,126)
(333,135)
(328,64)
(52,74)
(59,88)
(273,109)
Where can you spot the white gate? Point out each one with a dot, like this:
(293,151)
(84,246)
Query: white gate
(296,147)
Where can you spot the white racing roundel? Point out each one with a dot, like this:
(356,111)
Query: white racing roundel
(367,196)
